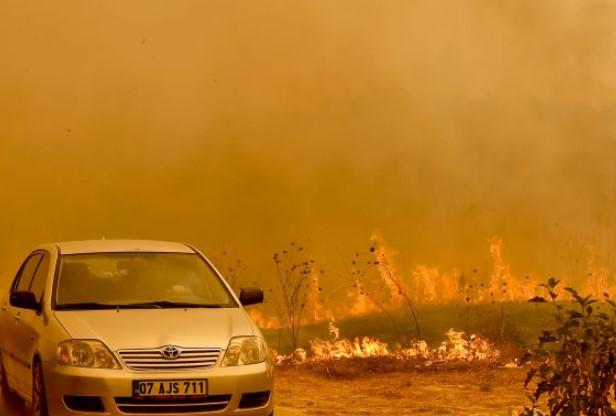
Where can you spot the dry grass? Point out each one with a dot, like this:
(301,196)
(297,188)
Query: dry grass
(354,368)
(351,388)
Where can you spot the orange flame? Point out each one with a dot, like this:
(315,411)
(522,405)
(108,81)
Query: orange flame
(386,266)
(315,310)
(343,348)
(263,322)
(456,347)
(359,302)
(426,284)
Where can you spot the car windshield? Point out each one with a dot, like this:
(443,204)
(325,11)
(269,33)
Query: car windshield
(138,280)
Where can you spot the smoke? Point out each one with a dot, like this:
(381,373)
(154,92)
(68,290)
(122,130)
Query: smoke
(240,126)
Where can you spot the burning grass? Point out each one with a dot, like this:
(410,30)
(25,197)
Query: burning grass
(398,326)
(367,353)
(523,323)
(389,307)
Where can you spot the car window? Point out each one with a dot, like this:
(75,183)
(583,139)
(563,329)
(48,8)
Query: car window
(40,277)
(125,279)
(24,278)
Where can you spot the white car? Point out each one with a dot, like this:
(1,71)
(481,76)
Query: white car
(131,327)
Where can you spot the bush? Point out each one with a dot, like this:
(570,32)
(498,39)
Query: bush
(576,361)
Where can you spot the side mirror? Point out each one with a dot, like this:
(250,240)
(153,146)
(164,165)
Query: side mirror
(24,300)
(251,296)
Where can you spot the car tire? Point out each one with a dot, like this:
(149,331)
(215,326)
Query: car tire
(39,399)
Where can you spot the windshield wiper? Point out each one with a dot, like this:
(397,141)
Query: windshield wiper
(157,304)
(85,305)
(169,304)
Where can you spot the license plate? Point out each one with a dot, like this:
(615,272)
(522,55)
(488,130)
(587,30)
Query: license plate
(169,388)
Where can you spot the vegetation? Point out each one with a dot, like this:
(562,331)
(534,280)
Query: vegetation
(294,269)
(524,324)
(577,370)
(574,360)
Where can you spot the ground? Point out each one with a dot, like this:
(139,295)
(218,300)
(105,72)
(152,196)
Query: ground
(301,391)
(479,391)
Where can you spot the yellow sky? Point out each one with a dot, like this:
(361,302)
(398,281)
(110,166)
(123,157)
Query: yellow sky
(241,125)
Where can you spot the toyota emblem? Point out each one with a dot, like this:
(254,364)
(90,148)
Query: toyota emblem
(171,352)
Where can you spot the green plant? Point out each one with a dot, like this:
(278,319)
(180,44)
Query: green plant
(577,359)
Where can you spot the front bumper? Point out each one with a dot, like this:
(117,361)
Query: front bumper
(226,385)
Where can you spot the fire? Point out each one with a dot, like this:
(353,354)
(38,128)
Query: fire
(270,322)
(317,312)
(385,262)
(378,286)
(427,284)
(359,303)
(337,348)
(504,286)
(456,347)
(423,285)
(434,286)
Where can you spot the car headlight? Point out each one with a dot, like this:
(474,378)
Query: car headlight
(86,353)
(245,350)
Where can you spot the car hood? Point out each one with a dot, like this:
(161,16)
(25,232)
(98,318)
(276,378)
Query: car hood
(153,328)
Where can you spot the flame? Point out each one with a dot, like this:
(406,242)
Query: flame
(337,348)
(386,266)
(425,284)
(456,347)
(426,277)
(417,349)
(434,286)
(503,285)
(259,318)
(316,311)
(429,285)
(359,302)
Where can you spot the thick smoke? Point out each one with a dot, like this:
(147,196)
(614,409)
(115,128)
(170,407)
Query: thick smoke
(240,126)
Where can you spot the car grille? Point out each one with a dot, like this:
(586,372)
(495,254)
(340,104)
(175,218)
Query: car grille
(153,359)
(131,405)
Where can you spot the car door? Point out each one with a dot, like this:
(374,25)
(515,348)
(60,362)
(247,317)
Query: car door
(12,319)
(28,328)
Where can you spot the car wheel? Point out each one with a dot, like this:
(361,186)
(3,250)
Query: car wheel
(39,400)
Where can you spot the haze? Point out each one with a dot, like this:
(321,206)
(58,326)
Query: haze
(241,126)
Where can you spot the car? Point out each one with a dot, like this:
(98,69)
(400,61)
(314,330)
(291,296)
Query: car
(121,327)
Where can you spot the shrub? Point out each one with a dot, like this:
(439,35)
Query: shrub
(576,360)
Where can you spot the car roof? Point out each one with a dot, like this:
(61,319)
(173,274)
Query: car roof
(121,246)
